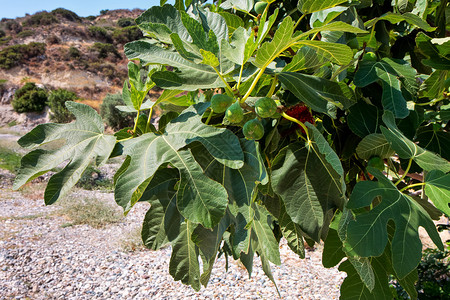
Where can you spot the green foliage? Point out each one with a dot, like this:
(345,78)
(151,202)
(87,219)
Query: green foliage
(56,101)
(113,117)
(104,11)
(2,33)
(434,278)
(100,33)
(9,160)
(303,172)
(126,34)
(5,40)
(13,26)
(126,22)
(25,33)
(41,19)
(16,55)
(103,50)
(29,98)
(74,53)
(66,14)
(92,178)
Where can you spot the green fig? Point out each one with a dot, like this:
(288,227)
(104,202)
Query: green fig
(265,107)
(220,102)
(253,129)
(234,113)
(260,7)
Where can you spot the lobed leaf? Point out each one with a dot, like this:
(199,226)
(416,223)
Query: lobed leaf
(84,142)
(368,235)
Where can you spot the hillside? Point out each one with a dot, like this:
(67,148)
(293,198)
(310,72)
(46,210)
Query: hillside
(59,49)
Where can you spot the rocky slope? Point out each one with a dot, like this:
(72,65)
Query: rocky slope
(84,55)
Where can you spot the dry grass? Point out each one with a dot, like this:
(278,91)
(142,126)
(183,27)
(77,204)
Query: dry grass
(95,104)
(34,191)
(91,211)
(131,240)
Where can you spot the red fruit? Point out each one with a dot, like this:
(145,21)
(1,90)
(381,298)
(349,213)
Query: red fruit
(301,113)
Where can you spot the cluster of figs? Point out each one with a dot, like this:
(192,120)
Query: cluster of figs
(253,129)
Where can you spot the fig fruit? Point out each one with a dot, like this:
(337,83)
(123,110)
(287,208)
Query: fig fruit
(260,7)
(234,113)
(253,129)
(265,107)
(220,102)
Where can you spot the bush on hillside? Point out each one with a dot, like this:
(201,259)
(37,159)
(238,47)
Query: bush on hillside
(25,33)
(56,101)
(113,117)
(100,33)
(127,34)
(5,40)
(15,55)
(29,98)
(13,26)
(40,19)
(2,33)
(125,22)
(74,53)
(104,50)
(66,14)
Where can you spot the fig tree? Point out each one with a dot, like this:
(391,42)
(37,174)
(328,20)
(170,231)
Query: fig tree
(220,102)
(234,113)
(253,129)
(265,107)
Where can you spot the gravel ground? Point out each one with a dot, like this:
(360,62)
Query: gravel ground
(40,258)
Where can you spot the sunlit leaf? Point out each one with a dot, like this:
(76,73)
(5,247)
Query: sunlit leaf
(84,142)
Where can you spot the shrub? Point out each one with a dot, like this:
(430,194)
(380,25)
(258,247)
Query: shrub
(100,33)
(113,117)
(56,102)
(15,55)
(103,50)
(40,19)
(66,14)
(434,277)
(127,34)
(74,53)
(13,26)
(91,18)
(125,22)
(5,40)
(29,98)
(92,178)
(25,33)
(2,33)
(104,11)
(9,160)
